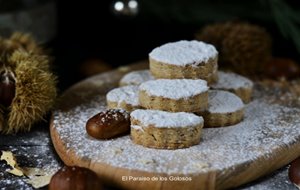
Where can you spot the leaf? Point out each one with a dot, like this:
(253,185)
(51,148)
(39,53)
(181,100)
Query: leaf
(38,177)
(39,181)
(11,161)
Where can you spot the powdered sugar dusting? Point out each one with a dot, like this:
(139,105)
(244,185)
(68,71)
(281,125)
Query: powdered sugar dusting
(163,119)
(266,127)
(220,101)
(228,80)
(112,114)
(174,89)
(128,94)
(136,77)
(184,53)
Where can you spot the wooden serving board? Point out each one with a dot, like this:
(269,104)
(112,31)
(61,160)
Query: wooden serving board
(267,139)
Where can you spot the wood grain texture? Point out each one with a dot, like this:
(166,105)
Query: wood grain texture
(212,179)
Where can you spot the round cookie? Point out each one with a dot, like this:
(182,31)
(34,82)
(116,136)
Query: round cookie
(183,59)
(237,84)
(224,108)
(165,130)
(178,95)
(136,77)
(125,97)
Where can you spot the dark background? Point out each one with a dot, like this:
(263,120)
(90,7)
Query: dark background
(91,30)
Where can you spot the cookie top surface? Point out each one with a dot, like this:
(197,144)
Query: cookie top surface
(136,77)
(184,53)
(174,89)
(129,94)
(228,80)
(220,101)
(164,119)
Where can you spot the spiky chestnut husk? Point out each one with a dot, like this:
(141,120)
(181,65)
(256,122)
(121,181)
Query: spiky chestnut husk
(242,46)
(248,48)
(215,33)
(35,85)
(20,41)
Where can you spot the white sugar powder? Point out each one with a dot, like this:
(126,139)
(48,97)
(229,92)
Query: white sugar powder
(220,101)
(174,89)
(229,80)
(128,94)
(184,53)
(265,128)
(136,77)
(165,119)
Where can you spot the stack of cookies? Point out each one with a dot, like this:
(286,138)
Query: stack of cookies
(171,102)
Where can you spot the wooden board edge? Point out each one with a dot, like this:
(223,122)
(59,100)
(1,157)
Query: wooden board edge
(247,172)
(111,175)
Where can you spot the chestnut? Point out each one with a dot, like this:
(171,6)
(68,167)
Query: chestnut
(108,124)
(294,172)
(282,67)
(7,87)
(75,178)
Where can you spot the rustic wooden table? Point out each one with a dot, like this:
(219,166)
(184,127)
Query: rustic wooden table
(35,149)
(32,149)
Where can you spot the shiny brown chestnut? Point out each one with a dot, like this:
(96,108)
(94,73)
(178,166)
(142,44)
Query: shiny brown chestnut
(108,124)
(75,178)
(7,87)
(294,172)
